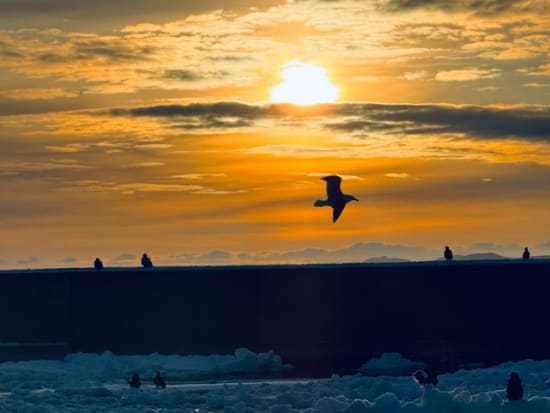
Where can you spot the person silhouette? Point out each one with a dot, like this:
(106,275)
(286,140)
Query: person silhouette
(159,381)
(146,261)
(526,254)
(135,381)
(514,388)
(448,253)
(98,265)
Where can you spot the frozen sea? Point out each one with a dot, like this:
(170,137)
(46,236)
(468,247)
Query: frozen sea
(98,383)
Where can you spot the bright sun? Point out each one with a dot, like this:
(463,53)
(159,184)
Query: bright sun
(304,84)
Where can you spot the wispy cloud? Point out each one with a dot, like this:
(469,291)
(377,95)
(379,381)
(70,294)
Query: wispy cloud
(37,93)
(398,175)
(198,176)
(487,7)
(463,75)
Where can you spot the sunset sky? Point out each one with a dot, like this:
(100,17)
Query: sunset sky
(136,126)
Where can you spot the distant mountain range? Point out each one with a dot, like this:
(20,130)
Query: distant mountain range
(481,256)
(385,259)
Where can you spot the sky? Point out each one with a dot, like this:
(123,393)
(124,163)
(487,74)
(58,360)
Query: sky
(135,126)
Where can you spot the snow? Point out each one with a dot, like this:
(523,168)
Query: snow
(98,383)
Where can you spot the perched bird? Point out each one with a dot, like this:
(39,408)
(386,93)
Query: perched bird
(335,198)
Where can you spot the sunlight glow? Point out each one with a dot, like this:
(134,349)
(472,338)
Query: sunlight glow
(304,84)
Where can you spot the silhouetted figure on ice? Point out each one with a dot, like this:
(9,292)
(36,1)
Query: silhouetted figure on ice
(135,381)
(448,254)
(98,265)
(159,381)
(146,261)
(424,378)
(514,388)
(335,198)
(526,254)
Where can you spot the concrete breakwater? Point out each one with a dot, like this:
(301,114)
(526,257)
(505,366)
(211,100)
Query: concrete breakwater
(317,317)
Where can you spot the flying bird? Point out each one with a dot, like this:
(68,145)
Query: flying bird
(335,198)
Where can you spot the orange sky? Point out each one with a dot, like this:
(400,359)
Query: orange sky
(138,129)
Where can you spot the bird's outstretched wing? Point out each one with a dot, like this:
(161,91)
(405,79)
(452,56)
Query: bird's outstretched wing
(337,209)
(334,193)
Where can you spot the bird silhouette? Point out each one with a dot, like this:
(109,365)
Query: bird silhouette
(335,198)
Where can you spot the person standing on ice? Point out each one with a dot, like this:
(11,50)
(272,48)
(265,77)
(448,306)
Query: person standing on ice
(448,253)
(526,254)
(159,381)
(135,381)
(514,388)
(98,265)
(146,261)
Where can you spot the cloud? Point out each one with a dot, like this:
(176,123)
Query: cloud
(144,187)
(515,53)
(30,168)
(111,49)
(68,148)
(68,260)
(398,175)
(145,164)
(485,7)
(466,75)
(179,74)
(216,255)
(37,93)
(124,257)
(477,122)
(536,85)
(204,110)
(27,261)
(421,74)
(199,176)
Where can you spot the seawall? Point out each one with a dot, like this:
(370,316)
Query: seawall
(324,317)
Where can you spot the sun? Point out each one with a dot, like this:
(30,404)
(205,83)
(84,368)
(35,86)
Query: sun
(304,84)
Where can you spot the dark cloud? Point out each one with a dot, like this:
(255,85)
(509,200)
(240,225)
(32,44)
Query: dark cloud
(201,115)
(115,52)
(477,122)
(68,260)
(529,123)
(219,109)
(482,7)
(179,74)
(105,15)
(8,51)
